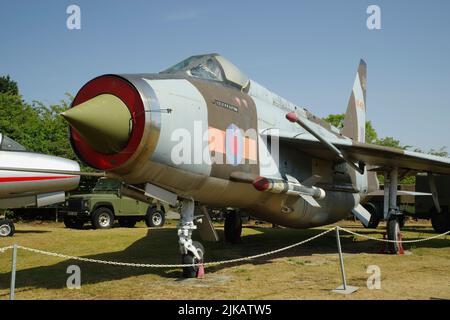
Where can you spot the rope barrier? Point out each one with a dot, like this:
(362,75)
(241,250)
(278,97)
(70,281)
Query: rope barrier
(2,250)
(387,240)
(214,263)
(146,265)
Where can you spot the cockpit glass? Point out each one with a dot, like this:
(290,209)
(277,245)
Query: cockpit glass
(9,144)
(209,70)
(211,67)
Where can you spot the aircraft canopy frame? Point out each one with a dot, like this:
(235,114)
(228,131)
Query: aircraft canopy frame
(211,67)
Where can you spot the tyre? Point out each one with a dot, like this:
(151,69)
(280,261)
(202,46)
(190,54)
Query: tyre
(103,218)
(394,233)
(155,218)
(127,222)
(192,271)
(233,227)
(374,216)
(441,222)
(73,223)
(7,228)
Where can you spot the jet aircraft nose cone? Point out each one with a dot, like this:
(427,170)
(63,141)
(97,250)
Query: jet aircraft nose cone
(104,122)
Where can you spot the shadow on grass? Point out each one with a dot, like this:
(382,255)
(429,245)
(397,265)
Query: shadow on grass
(32,231)
(159,246)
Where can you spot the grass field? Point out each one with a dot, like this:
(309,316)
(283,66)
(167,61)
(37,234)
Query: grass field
(306,272)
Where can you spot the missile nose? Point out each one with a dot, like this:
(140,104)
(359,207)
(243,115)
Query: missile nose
(104,122)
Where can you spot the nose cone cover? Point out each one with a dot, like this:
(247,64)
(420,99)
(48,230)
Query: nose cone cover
(104,122)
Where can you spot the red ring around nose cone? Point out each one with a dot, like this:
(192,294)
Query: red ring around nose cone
(261,184)
(292,117)
(124,90)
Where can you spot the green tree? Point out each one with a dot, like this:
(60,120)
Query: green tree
(8,86)
(389,142)
(337,120)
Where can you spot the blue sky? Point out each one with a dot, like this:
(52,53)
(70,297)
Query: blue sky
(306,51)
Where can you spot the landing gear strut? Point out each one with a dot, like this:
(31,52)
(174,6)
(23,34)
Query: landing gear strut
(392,213)
(192,252)
(233,226)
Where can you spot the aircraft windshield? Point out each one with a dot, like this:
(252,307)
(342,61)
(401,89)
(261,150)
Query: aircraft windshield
(9,144)
(211,67)
(103,185)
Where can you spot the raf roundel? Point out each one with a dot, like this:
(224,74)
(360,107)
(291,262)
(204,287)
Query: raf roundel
(234,145)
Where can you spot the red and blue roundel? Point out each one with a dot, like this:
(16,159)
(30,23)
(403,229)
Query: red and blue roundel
(234,145)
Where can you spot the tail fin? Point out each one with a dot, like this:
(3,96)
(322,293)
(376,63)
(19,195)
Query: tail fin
(355,118)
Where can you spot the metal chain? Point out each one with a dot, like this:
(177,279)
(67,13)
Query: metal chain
(145,265)
(387,240)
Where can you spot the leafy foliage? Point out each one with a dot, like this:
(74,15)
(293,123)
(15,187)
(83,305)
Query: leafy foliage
(37,127)
(337,120)
(8,86)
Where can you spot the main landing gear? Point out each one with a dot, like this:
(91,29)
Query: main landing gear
(192,252)
(392,213)
(233,226)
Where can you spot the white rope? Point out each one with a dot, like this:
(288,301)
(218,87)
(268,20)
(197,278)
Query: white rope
(2,250)
(214,263)
(387,240)
(145,265)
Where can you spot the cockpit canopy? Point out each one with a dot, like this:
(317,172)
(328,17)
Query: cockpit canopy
(211,67)
(8,144)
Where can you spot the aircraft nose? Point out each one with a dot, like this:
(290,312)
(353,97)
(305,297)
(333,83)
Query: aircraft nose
(104,122)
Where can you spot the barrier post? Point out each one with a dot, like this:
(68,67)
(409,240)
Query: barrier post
(344,288)
(13,272)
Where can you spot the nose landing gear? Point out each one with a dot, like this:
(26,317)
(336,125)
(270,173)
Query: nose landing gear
(192,252)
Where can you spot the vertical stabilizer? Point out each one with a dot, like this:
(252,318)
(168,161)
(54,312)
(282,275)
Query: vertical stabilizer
(355,117)
(355,127)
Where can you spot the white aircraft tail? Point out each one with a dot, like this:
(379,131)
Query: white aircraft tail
(355,118)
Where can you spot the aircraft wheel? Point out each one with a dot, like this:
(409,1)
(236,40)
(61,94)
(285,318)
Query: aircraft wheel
(233,227)
(155,218)
(73,223)
(374,218)
(192,272)
(7,228)
(401,221)
(127,222)
(441,221)
(103,218)
(394,233)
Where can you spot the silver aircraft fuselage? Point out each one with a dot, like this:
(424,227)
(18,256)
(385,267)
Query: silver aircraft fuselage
(22,188)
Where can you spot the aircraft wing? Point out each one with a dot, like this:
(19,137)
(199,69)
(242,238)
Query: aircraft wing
(378,157)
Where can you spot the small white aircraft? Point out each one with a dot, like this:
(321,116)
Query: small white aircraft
(37,188)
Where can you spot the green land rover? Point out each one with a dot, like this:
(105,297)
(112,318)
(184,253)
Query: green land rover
(105,204)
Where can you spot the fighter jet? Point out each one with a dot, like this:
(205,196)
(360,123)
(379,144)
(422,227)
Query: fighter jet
(203,133)
(36,187)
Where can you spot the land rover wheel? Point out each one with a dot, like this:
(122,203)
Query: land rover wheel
(7,228)
(155,218)
(103,218)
